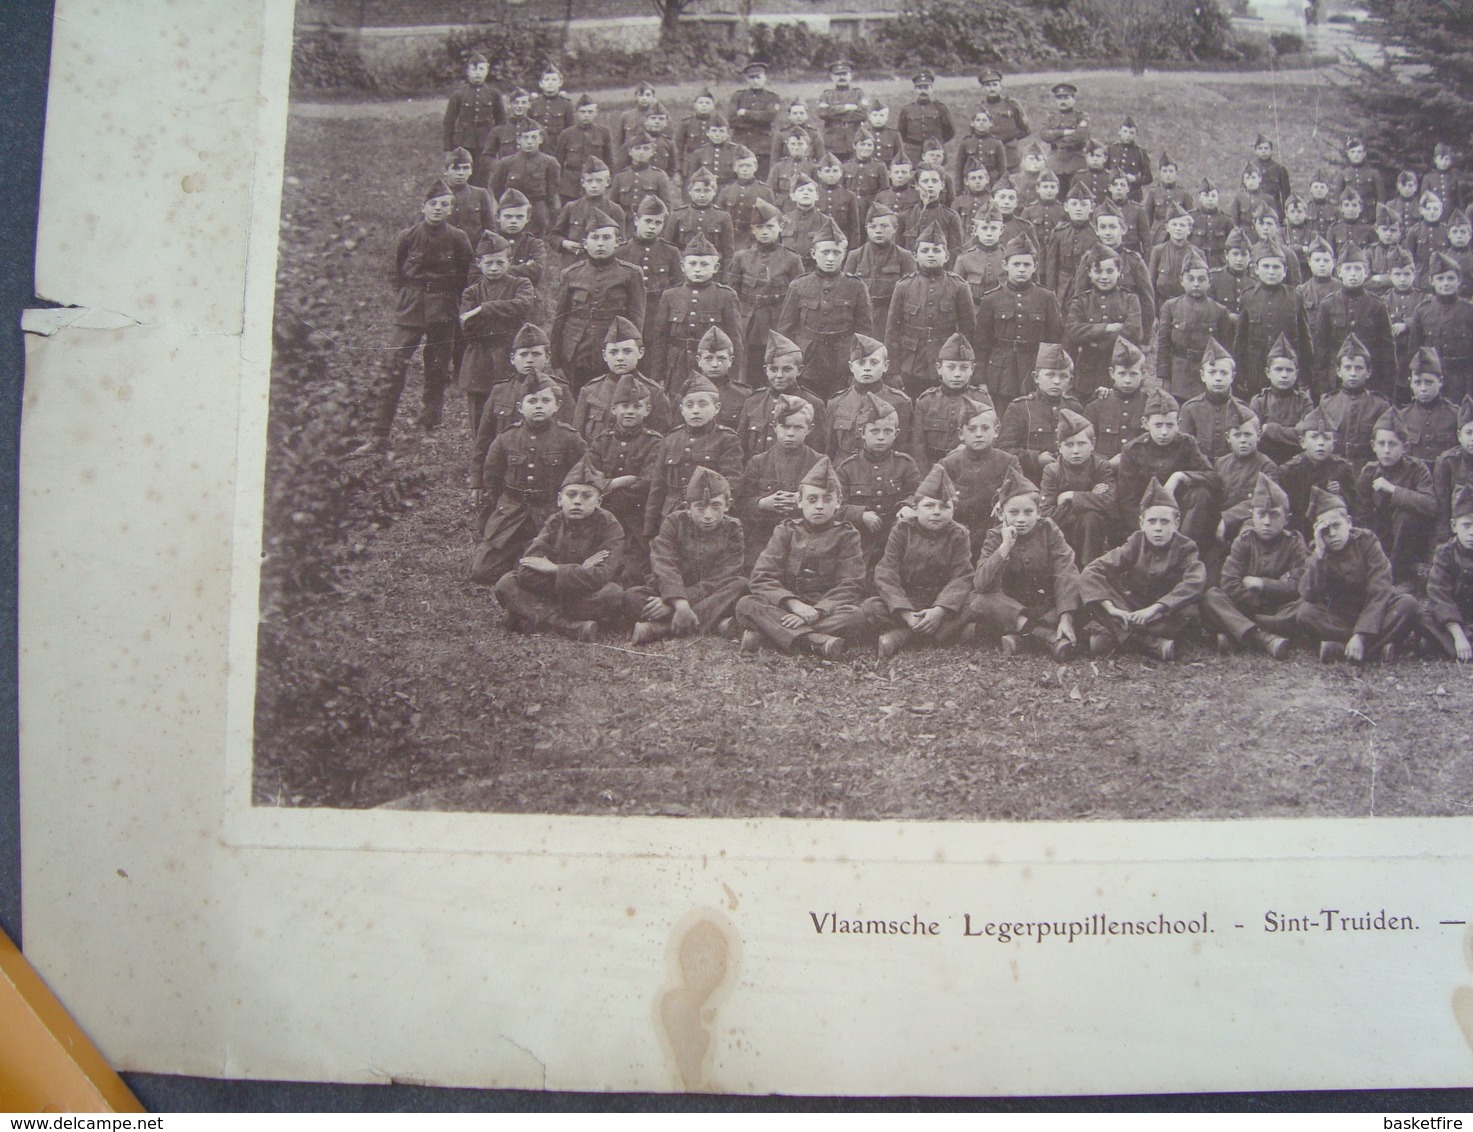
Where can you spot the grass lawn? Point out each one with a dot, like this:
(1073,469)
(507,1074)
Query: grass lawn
(692,728)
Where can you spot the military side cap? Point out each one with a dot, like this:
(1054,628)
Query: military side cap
(988,75)
(989,213)
(879,209)
(1129,121)
(706,484)
(459,156)
(594,164)
(1158,401)
(1319,177)
(821,476)
(828,232)
(714,341)
(1207,186)
(717,120)
(1019,245)
(784,405)
(1094,145)
(1386,218)
(1126,354)
(1442,149)
(701,176)
(1407,177)
(1157,496)
(1461,217)
(1164,160)
(1014,484)
(704,92)
(932,143)
(1235,413)
(491,244)
(1319,244)
(539,381)
(1393,422)
(1053,356)
(1429,196)
(937,484)
(1322,502)
(876,104)
(931,234)
(1035,149)
(1348,194)
(436,190)
(1398,256)
(655,107)
(637,139)
(622,330)
(1108,208)
(598,218)
(1177,212)
(1283,348)
(1004,184)
(1316,420)
(1265,210)
(1063,88)
(873,408)
(1441,263)
(1214,351)
(863,346)
(1427,360)
(1268,249)
(699,383)
(476,57)
(651,206)
(1351,253)
(1261,140)
(1465,413)
(643,89)
(803,180)
(956,349)
(513,198)
(1293,199)
(864,133)
(1462,502)
(699,245)
(742,153)
(779,346)
(1071,424)
(1194,260)
(518,92)
(765,211)
(586,100)
(529,336)
(1047,177)
(629,390)
(529,126)
(1237,240)
(1352,347)
(585,473)
(1080,191)
(1267,494)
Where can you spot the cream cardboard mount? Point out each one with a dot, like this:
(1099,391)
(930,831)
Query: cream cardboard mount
(190,933)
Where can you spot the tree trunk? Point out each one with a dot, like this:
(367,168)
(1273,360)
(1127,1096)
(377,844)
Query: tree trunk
(670,21)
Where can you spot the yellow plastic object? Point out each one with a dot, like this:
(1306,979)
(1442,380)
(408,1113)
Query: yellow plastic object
(46,1062)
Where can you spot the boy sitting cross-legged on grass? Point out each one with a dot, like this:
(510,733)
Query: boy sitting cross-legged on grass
(1256,602)
(1145,593)
(1026,588)
(1347,600)
(696,562)
(1449,608)
(923,578)
(564,579)
(1079,490)
(808,582)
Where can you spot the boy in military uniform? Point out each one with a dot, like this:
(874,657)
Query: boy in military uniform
(808,582)
(864,173)
(1209,416)
(1118,410)
(1350,228)
(1068,242)
(1127,156)
(888,141)
(1347,599)
(474,211)
(698,441)
(521,477)
(690,134)
(1317,466)
(1078,489)
(626,450)
(926,309)
(695,563)
(1282,405)
(783,367)
(1026,587)
(698,217)
(639,179)
(1011,322)
(981,149)
(802,221)
(1354,408)
(623,349)
(1030,423)
(631,121)
(877,478)
(769,487)
(1255,604)
(1354,310)
(739,199)
(715,355)
(1365,180)
(1067,133)
(718,154)
(492,310)
(657,259)
(1239,469)
(1394,500)
(1096,175)
(880,262)
(1135,276)
(502,141)
(1321,283)
(924,118)
(1100,315)
(753,112)
(760,275)
(564,579)
(796,119)
(474,109)
(929,211)
(1448,613)
(686,311)
(900,194)
(868,361)
(1454,468)
(594,291)
(924,577)
(978,470)
(534,174)
(1210,224)
(983,263)
(1145,593)
(528,253)
(942,411)
(795,167)
(1431,419)
(842,110)
(1165,195)
(824,310)
(1172,459)
(837,201)
(431,262)
(568,230)
(1045,211)
(1170,256)
(1228,282)
(551,108)
(576,144)
(1270,308)
(503,405)
(1445,323)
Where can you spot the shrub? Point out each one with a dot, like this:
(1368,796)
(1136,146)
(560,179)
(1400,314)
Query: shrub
(1286,42)
(952,35)
(325,59)
(512,49)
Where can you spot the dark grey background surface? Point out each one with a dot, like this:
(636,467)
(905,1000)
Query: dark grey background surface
(25,31)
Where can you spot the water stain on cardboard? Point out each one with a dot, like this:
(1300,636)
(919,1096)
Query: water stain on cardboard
(704,950)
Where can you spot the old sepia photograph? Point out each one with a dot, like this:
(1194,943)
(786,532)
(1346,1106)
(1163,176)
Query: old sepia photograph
(970,410)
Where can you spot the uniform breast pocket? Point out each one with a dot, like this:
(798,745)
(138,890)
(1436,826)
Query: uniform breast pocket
(579,299)
(516,467)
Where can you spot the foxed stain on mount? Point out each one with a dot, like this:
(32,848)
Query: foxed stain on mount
(705,950)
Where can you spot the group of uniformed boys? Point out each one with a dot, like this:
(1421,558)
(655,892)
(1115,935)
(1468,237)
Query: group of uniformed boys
(813,384)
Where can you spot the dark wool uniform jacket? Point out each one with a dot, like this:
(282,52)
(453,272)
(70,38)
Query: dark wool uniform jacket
(431,263)
(1279,561)
(1143,458)
(822,567)
(681,452)
(1039,573)
(1172,575)
(569,543)
(690,563)
(1450,585)
(594,410)
(1117,420)
(1353,583)
(594,293)
(923,569)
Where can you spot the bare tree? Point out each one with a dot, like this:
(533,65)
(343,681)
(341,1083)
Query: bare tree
(670,13)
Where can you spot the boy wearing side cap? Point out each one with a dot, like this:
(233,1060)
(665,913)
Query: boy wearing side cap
(474,211)
(1210,224)
(690,133)
(695,564)
(528,252)
(1445,323)
(1118,412)
(551,108)
(739,199)
(930,210)
(534,174)
(715,356)
(783,369)
(795,165)
(521,478)
(594,291)
(978,470)
(760,275)
(699,440)
(808,582)
(1100,314)
(823,311)
(622,353)
(980,149)
(983,263)
(701,217)
(492,310)
(1078,491)
(1350,227)
(474,109)
(880,262)
(1354,408)
(1209,415)
(868,361)
(1186,324)
(1129,158)
(1011,323)
(1395,502)
(768,493)
(658,260)
(626,450)
(794,121)
(1428,234)
(686,311)
(1431,419)
(1255,603)
(1030,423)
(888,142)
(1269,308)
(564,580)
(1068,242)
(1317,465)
(1228,282)
(1164,197)
(1026,587)
(1045,211)
(503,405)
(431,263)
(1171,255)
(802,222)
(926,308)
(1321,283)
(584,139)
(924,577)
(941,411)
(1448,611)
(1354,310)
(1168,456)
(1145,593)
(1348,602)
(1239,470)
(864,173)
(1282,405)
(877,479)
(1454,468)
(573,220)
